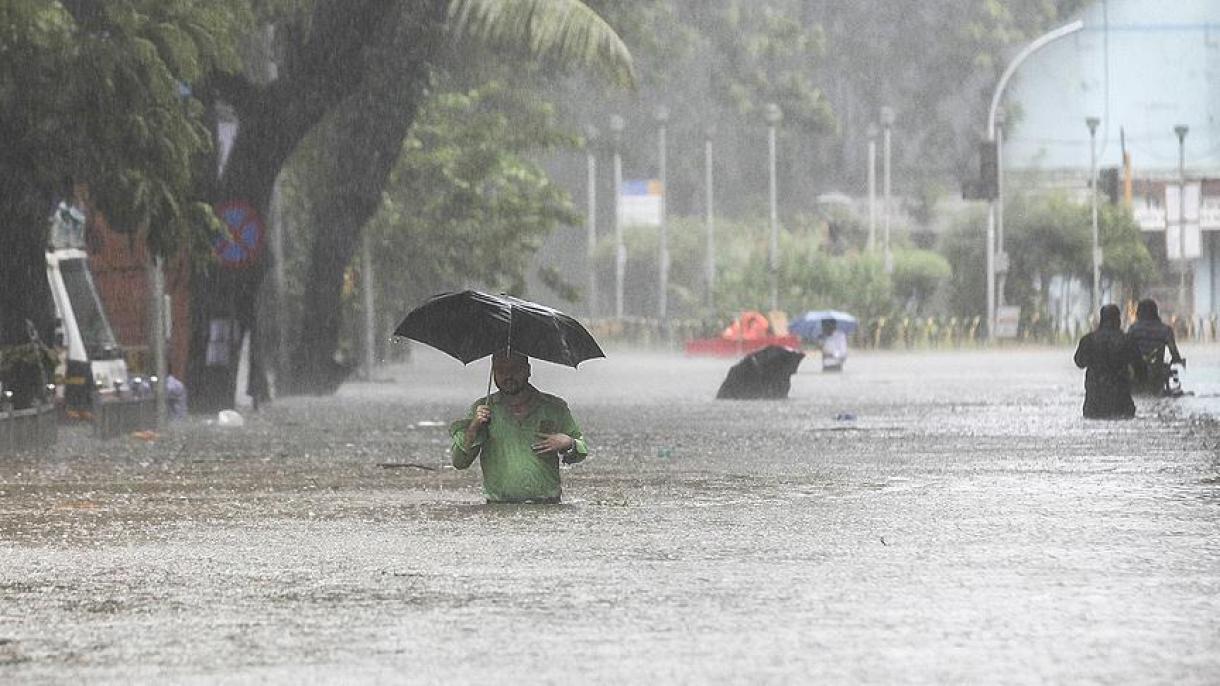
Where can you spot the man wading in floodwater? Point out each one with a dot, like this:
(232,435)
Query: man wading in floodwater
(520,435)
(1108,357)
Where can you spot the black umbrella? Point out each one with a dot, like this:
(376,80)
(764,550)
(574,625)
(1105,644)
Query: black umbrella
(470,324)
(762,374)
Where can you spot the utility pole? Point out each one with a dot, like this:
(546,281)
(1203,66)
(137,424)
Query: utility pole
(156,273)
(620,250)
(366,288)
(710,267)
(1181,130)
(773,116)
(591,217)
(1092,123)
(662,117)
(1001,256)
(887,124)
(872,187)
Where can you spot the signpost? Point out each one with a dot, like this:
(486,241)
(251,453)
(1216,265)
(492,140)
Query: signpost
(641,203)
(1007,319)
(241,244)
(1175,204)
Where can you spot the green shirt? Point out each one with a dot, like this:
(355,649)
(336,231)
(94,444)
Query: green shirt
(512,472)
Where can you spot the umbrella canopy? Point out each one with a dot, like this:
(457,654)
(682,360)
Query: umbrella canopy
(809,325)
(469,325)
(764,373)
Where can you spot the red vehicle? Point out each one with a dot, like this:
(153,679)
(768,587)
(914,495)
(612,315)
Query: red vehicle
(749,332)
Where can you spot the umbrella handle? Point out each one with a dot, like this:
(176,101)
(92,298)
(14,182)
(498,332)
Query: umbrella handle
(490,373)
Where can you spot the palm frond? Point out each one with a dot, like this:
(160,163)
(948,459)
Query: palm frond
(565,30)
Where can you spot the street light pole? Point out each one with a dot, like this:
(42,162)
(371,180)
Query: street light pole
(1092,123)
(773,116)
(591,216)
(710,267)
(1181,130)
(887,124)
(872,187)
(620,250)
(996,208)
(662,116)
(1000,263)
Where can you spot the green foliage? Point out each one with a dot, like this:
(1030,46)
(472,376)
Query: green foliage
(465,204)
(917,275)
(809,277)
(964,247)
(562,31)
(101,102)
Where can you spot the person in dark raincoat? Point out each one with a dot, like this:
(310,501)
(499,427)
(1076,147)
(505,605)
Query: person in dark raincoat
(1153,338)
(1108,357)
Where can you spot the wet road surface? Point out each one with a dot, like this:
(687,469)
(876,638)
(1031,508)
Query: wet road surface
(920,518)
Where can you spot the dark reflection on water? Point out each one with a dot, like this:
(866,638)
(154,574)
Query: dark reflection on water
(964,525)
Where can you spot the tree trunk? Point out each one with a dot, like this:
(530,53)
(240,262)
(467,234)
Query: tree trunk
(25,295)
(319,73)
(363,144)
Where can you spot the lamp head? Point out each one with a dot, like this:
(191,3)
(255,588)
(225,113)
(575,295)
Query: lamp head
(772,114)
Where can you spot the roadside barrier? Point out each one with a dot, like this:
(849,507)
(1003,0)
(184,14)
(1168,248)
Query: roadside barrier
(897,333)
(29,429)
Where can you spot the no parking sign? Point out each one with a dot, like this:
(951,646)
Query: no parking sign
(241,242)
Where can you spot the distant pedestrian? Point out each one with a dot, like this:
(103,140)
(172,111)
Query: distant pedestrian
(834,346)
(1153,338)
(1108,358)
(175,397)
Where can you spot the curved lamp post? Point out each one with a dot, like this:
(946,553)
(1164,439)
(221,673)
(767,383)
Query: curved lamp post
(996,205)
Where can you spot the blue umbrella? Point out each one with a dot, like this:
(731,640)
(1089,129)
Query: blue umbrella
(809,325)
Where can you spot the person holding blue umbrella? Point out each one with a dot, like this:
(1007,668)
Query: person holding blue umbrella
(834,346)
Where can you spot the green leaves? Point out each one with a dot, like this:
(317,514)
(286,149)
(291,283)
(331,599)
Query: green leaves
(563,31)
(107,105)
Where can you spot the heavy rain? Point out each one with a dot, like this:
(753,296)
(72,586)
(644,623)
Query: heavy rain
(491,341)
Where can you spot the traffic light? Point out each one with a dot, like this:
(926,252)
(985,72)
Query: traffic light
(1108,182)
(989,177)
(987,185)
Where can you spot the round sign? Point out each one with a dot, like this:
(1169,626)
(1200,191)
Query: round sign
(241,242)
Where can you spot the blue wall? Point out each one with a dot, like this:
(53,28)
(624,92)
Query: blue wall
(1143,65)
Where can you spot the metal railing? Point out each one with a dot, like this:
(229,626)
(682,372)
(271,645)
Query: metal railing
(29,429)
(896,333)
(116,416)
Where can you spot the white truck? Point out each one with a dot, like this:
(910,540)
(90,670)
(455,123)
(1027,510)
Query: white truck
(91,360)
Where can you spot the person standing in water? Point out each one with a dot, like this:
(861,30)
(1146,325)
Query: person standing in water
(1108,357)
(519,435)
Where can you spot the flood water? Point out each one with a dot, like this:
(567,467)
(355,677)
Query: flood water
(921,518)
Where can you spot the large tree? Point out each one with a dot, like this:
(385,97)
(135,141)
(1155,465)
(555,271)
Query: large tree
(95,95)
(366,63)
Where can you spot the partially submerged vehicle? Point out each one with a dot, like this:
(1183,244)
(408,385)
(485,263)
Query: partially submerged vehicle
(93,371)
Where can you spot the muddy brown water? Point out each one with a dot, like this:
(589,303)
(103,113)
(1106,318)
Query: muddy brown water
(921,518)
